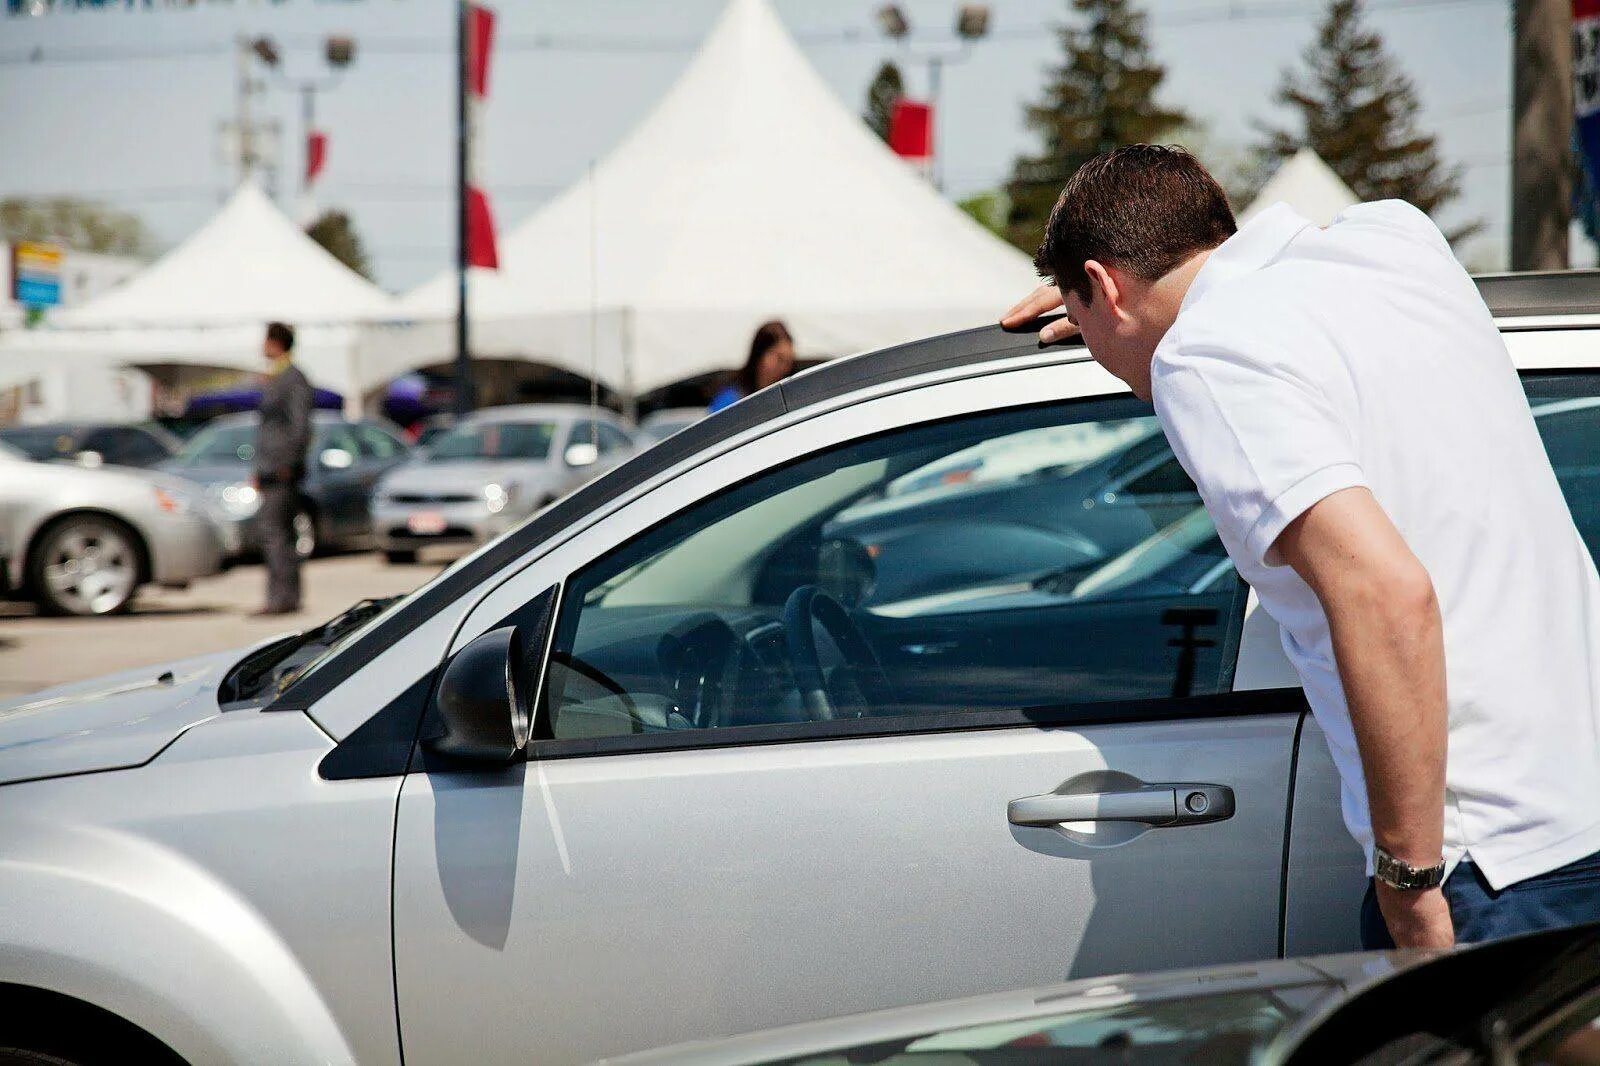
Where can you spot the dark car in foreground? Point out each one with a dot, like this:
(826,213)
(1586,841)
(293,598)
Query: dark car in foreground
(1535,999)
(346,460)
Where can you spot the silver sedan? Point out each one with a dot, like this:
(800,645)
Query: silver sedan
(83,540)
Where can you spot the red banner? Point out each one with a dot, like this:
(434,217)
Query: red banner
(911,130)
(481,250)
(480,36)
(316,154)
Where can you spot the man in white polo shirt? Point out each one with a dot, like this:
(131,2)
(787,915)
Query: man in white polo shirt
(1346,406)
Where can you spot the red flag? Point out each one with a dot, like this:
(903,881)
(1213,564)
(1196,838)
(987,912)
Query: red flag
(316,154)
(480,35)
(911,130)
(481,251)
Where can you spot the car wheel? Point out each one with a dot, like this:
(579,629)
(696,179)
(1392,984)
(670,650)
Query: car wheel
(85,565)
(305,534)
(399,557)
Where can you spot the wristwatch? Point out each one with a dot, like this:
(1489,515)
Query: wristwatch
(1402,875)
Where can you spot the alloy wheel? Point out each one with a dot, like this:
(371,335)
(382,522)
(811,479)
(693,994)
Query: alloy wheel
(87,566)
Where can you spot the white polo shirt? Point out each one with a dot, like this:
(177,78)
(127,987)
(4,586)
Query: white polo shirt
(1307,360)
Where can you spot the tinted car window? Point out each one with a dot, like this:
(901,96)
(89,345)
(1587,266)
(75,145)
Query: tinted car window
(493,440)
(945,568)
(41,442)
(1566,408)
(142,448)
(234,443)
(613,439)
(376,444)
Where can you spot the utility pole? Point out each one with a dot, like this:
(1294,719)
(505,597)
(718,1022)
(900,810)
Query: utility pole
(464,397)
(249,143)
(1541,134)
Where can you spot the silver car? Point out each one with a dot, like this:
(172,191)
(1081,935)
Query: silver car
(486,474)
(670,762)
(82,540)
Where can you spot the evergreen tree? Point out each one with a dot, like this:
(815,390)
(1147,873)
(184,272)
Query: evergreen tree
(1359,113)
(337,234)
(887,87)
(1101,96)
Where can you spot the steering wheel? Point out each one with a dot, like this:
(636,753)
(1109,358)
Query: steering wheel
(808,604)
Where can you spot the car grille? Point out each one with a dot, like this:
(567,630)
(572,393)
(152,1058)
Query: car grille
(432,497)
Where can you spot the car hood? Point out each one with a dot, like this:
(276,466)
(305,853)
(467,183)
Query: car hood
(109,723)
(464,475)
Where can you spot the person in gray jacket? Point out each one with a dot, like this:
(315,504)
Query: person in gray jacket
(281,442)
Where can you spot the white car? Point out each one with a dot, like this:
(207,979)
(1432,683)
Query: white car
(668,762)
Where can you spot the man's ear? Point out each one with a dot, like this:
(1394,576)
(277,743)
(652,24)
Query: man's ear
(1103,286)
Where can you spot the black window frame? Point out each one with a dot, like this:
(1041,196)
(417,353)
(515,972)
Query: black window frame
(1226,702)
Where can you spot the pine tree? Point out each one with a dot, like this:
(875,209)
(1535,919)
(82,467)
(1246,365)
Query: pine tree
(337,234)
(1359,113)
(887,87)
(1102,95)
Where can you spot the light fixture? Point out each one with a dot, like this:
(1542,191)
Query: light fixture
(266,50)
(972,21)
(340,51)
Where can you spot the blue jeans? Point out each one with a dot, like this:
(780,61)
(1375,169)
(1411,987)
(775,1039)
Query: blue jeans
(1566,896)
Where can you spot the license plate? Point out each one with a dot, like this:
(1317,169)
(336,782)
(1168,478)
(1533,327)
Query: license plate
(426,523)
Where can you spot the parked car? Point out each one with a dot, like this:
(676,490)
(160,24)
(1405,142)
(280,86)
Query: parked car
(656,765)
(1534,999)
(82,541)
(94,443)
(659,425)
(484,475)
(345,462)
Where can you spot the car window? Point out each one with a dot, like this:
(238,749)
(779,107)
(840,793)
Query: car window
(229,443)
(142,447)
(376,444)
(493,440)
(956,567)
(1566,408)
(333,439)
(41,442)
(612,439)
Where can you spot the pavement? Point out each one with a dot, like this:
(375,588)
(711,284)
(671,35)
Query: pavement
(211,615)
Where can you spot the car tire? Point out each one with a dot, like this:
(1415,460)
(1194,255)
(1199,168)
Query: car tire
(307,538)
(86,564)
(400,557)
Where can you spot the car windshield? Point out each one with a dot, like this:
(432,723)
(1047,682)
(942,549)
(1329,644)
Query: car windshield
(1229,1028)
(234,443)
(493,440)
(40,442)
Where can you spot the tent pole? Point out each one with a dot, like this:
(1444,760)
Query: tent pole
(464,398)
(630,397)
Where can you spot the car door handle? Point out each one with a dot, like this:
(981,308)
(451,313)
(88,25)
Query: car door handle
(1166,804)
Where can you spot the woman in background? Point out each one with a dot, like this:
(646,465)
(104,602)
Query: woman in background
(771,360)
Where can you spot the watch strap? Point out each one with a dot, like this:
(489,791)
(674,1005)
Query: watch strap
(1401,875)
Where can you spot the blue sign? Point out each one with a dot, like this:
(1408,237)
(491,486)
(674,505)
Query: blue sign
(36,274)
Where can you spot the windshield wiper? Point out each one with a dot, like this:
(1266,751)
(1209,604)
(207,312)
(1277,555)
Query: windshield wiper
(275,666)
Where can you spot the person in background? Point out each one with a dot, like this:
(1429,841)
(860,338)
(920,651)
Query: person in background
(282,438)
(771,360)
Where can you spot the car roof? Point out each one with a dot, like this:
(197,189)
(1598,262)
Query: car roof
(541,412)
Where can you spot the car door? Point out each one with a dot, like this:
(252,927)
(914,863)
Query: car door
(341,481)
(700,845)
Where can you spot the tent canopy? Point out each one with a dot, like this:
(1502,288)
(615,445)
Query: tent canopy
(749,192)
(1308,185)
(206,302)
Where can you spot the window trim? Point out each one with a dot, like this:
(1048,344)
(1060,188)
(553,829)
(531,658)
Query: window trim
(1248,703)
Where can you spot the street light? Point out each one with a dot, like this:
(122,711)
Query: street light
(972,23)
(339,51)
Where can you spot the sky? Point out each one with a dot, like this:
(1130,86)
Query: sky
(573,76)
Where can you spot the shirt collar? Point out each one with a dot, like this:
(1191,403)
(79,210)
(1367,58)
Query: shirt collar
(1257,243)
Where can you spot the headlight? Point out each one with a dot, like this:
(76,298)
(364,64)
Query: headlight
(241,500)
(496,497)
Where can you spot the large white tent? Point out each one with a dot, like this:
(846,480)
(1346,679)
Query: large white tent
(749,192)
(206,302)
(1308,185)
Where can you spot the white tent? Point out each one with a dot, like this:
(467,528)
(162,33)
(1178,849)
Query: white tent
(206,302)
(1308,185)
(749,192)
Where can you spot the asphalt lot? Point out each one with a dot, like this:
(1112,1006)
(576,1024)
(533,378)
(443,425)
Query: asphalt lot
(211,615)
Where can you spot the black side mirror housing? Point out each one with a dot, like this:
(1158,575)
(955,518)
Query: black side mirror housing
(483,701)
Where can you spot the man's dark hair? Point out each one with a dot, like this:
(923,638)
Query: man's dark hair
(1143,208)
(281,335)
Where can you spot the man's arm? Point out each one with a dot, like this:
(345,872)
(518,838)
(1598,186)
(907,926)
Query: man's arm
(1388,643)
(301,400)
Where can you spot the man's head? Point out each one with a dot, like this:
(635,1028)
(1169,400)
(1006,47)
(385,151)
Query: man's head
(1127,235)
(279,342)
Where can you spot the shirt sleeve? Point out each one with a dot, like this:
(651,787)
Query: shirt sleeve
(1261,441)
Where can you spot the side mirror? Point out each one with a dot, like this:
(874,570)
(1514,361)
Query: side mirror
(584,454)
(90,458)
(335,459)
(484,701)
